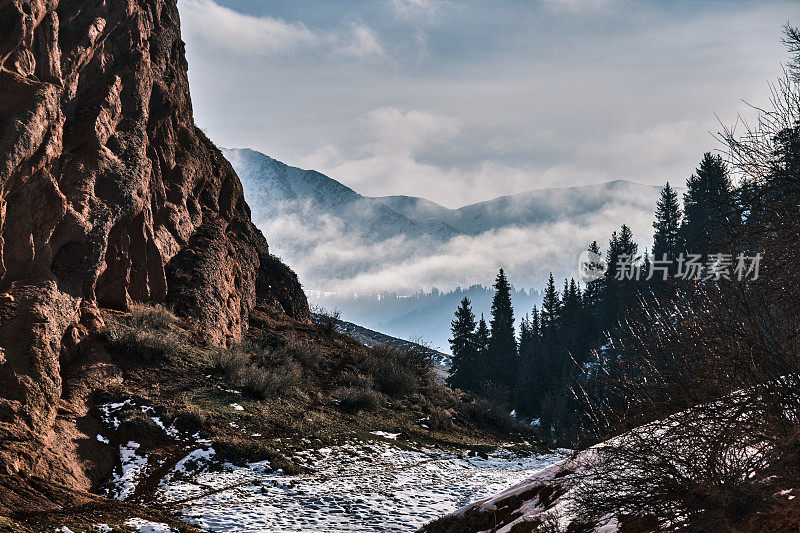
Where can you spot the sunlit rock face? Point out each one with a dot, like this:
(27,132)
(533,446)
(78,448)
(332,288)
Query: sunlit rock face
(109,194)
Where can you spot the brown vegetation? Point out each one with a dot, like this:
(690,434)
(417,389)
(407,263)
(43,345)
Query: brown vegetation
(703,397)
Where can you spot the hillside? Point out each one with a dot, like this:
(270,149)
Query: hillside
(372,338)
(423,316)
(148,333)
(531,208)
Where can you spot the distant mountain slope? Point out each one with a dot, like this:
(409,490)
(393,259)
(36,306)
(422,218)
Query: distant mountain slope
(371,338)
(534,207)
(340,241)
(550,205)
(268,184)
(275,189)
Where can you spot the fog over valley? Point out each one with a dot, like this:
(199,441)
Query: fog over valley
(348,248)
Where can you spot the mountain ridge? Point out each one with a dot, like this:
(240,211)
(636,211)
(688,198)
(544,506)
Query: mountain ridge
(398,202)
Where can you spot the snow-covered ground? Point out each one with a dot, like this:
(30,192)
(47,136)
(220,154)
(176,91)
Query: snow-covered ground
(382,484)
(360,486)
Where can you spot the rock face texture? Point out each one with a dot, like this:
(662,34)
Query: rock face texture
(109,194)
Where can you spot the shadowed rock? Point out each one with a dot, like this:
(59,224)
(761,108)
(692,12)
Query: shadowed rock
(109,194)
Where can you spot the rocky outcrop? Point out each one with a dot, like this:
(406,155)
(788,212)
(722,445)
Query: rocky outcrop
(109,194)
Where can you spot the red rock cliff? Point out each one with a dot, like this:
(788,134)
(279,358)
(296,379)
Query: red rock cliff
(109,194)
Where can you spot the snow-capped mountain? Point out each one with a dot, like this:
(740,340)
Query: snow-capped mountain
(274,189)
(541,206)
(341,242)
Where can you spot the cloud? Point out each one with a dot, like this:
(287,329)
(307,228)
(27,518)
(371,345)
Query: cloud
(242,34)
(360,43)
(577,5)
(393,140)
(331,255)
(249,35)
(414,8)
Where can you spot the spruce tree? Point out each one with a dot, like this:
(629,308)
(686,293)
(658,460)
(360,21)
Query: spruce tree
(666,239)
(525,366)
(502,351)
(627,245)
(533,368)
(708,205)
(482,337)
(551,308)
(552,356)
(571,319)
(618,293)
(464,361)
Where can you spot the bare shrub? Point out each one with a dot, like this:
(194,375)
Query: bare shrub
(139,427)
(141,345)
(327,319)
(265,383)
(263,376)
(439,419)
(241,452)
(398,373)
(151,317)
(229,362)
(191,419)
(352,379)
(392,379)
(355,399)
(413,359)
(488,414)
(304,353)
(705,409)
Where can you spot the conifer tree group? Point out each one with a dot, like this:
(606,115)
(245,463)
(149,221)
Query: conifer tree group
(563,344)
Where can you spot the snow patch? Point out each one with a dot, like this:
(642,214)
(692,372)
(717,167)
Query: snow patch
(358,486)
(133,466)
(385,435)
(145,526)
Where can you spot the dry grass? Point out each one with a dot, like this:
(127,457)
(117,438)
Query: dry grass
(254,377)
(142,345)
(356,399)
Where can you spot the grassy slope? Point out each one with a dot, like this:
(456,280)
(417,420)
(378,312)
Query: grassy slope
(315,388)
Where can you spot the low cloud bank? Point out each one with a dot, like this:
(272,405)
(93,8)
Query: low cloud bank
(333,256)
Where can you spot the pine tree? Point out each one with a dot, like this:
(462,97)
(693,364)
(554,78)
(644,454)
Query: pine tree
(551,308)
(666,239)
(552,350)
(525,370)
(618,293)
(482,337)
(627,245)
(502,351)
(464,361)
(572,303)
(531,367)
(592,304)
(708,205)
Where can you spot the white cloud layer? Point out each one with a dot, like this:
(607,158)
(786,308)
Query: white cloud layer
(247,35)
(335,259)
(464,101)
(242,34)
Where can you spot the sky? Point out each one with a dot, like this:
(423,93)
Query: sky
(462,101)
